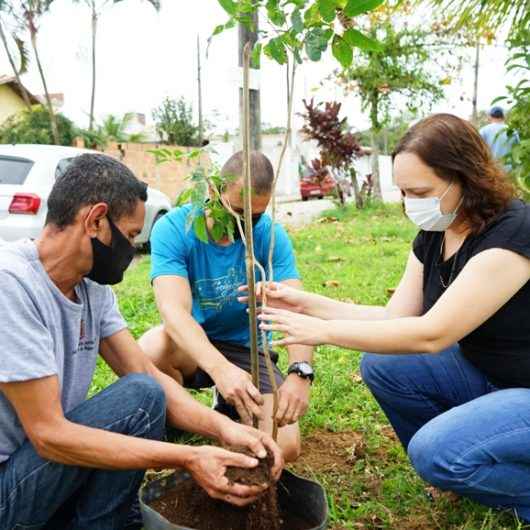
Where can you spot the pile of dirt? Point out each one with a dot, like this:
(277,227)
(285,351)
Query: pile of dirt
(325,451)
(190,506)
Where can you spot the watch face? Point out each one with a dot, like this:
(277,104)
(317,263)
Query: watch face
(305,368)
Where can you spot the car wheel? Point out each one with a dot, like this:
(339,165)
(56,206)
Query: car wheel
(321,196)
(158,216)
(304,198)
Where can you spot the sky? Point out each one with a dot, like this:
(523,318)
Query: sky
(144,56)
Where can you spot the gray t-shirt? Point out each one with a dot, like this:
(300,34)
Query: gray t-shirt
(43,333)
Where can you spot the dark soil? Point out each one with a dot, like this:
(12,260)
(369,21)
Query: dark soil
(190,506)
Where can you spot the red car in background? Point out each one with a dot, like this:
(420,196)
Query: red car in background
(316,182)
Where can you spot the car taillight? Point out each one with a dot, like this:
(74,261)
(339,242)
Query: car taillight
(25,203)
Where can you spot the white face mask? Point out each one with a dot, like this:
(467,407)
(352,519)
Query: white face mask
(427,213)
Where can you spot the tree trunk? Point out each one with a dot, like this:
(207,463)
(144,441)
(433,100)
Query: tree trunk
(93,95)
(378,195)
(25,95)
(246,35)
(199,88)
(249,235)
(356,191)
(53,119)
(474,116)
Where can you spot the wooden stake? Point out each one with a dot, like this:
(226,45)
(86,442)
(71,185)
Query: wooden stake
(249,236)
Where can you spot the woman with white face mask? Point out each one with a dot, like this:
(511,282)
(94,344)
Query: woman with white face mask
(451,361)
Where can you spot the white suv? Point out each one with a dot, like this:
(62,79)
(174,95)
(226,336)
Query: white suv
(27,175)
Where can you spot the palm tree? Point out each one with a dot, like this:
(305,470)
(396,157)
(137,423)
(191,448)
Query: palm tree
(5,8)
(112,129)
(487,13)
(31,11)
(96,8)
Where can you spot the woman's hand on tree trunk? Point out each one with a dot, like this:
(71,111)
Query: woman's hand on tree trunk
(296,328)
(278,295)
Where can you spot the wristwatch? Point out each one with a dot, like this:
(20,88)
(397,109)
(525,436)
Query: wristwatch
(303,370)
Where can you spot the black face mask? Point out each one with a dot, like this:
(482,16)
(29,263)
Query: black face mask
(110,262)
(255,220)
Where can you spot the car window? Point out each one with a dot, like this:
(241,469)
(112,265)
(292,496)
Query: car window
(62,166)
(14,170)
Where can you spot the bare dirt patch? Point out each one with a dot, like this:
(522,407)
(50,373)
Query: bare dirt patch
(325,451)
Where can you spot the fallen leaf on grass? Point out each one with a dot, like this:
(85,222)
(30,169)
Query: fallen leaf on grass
(331,283)
(327,219)
(335,259)
(357,450)
(356,377)
(435,495)
(389,432)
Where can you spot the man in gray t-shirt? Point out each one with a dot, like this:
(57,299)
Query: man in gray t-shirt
(69,462)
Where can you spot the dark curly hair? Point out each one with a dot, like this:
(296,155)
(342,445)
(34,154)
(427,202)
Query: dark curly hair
(454,149)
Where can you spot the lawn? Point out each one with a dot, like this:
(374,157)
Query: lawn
(348,444)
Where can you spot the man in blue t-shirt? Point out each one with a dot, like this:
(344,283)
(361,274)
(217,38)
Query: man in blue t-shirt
(494,134)
(204,339)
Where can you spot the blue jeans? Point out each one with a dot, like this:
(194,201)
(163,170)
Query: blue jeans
(461,433)
(39,494)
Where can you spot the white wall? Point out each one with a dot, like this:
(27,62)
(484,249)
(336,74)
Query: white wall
(288,183)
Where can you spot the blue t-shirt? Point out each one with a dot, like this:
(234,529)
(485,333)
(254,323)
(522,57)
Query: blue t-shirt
(494,134)
(215,272)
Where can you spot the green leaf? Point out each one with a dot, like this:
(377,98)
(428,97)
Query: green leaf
(275,49)
(275,14)
(316,43)
(297,56)
(255,60)
(194,153)
(218,29)
(229,6)
(342,51)
(297,22)
(218,230)
(199,227)
(184,197)
(358,7)
(312,15)
(357,39)
(327,9)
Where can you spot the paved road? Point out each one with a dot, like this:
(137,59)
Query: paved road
(300,213)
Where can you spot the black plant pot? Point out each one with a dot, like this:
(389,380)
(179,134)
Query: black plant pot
(300,496)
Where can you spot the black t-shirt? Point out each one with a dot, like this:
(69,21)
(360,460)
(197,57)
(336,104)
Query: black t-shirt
(500,347)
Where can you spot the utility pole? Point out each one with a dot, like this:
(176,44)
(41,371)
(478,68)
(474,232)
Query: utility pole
(474,116)
(250,35)
(199,84)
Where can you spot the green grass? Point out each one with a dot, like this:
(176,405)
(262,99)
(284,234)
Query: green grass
(361,255)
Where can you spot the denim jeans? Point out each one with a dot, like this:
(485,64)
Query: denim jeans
(39,494)
(461,433)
